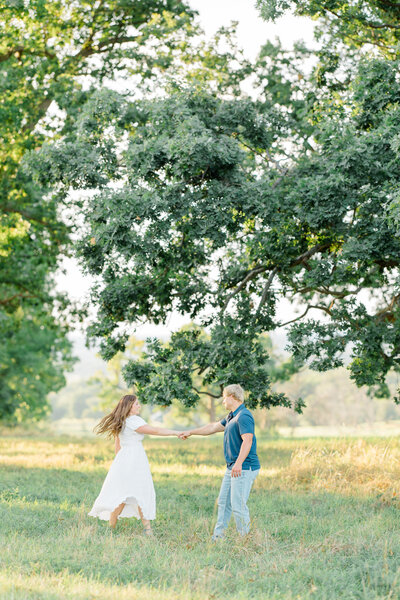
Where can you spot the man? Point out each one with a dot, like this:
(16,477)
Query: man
(243,466)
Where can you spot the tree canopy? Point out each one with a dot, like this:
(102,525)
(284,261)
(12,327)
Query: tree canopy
(214,209)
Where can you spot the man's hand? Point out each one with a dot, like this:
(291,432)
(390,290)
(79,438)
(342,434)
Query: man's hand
(236,470)
(184,435)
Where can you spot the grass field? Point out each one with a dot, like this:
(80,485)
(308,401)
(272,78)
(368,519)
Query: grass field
(326,523)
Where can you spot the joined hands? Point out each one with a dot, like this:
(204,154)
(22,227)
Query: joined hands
(184,435)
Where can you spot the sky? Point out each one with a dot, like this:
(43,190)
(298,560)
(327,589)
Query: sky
(252,32)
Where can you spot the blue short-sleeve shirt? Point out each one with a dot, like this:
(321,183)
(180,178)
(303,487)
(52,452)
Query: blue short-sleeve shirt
(236,424)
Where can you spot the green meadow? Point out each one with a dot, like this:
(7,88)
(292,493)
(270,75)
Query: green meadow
(325,523)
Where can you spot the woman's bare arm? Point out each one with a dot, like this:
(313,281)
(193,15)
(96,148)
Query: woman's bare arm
(150,430)
(117,444)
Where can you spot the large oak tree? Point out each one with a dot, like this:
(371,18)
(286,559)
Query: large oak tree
(216,206)
(213,208)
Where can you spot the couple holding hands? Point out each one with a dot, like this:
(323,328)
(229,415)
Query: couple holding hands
(128,489)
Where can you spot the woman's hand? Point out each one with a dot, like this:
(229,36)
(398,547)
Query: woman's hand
(183,435)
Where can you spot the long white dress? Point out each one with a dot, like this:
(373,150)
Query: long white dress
(129,479)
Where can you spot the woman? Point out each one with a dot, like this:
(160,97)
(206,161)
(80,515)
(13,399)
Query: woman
(128,489)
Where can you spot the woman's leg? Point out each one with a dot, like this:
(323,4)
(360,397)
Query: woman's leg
(146,523)
(115,514)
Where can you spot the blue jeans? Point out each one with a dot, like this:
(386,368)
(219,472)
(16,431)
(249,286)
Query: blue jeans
(232,498)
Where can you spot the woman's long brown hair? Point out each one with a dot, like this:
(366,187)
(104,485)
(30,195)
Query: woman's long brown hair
(112,423)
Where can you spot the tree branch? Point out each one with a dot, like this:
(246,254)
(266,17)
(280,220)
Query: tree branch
(41,110)
(306,255)
(22,50)
(266,289)
(261,269)
(278,181)
(251,275)
(11,298)
(296,318)
(206,393)
(89,50)
(27,216)
(323,308)
(386,314)
(29,293)
(365,22)
(338,295)
(12,51)
(392,4)
(282,170)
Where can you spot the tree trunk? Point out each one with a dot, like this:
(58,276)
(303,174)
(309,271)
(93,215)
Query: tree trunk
(211,411)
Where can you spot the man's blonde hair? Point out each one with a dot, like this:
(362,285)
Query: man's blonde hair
(235,390)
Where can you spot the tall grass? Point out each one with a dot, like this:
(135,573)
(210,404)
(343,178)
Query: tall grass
(325,523)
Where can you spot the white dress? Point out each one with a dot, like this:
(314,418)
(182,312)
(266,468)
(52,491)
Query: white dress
(129,479)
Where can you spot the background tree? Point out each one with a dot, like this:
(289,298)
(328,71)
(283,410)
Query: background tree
(111,383)
(51,54)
